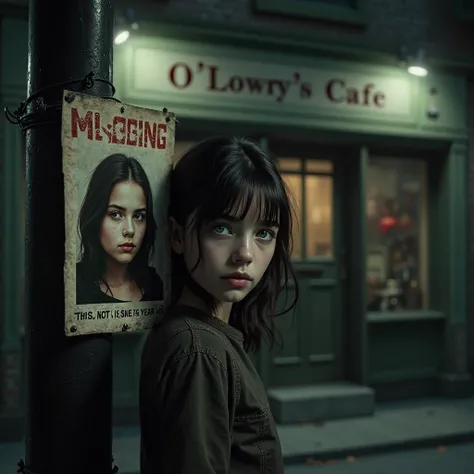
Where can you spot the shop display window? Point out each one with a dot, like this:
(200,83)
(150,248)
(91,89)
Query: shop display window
(397,246)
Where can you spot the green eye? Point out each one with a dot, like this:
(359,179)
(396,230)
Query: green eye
(266,235)
(221,229)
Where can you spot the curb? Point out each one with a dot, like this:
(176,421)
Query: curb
(356,451)
(389,447)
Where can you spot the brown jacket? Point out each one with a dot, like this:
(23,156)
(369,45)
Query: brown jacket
(203,407)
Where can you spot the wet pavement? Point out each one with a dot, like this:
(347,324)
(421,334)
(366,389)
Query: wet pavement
(380,444)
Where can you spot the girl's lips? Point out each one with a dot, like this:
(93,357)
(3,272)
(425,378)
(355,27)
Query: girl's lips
(127,248)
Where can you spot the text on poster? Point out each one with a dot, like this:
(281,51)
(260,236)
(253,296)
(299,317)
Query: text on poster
(117,313)
(122,130)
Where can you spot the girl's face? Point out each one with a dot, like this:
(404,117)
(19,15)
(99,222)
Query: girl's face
(124,224)
(234,255)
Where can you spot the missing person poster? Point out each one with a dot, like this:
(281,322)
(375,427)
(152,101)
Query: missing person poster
(116,164)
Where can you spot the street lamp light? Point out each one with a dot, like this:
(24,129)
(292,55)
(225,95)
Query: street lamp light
(418,65)
(126,24)
(415,65)
(121,37)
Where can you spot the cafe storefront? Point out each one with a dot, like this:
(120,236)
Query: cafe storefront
(377,162)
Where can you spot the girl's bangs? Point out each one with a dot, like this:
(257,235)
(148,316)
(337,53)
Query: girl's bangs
(265,199)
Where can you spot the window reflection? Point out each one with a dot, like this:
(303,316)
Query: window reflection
(318,194)
(396,262)
(290,164)
(311,179)
(318,166)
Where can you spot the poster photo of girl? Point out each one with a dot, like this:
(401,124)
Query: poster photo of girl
(117,162)
(117,235)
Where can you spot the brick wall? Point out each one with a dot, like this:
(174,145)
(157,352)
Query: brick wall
(419,23)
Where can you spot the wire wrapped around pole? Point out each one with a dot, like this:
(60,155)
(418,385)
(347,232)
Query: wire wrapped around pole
(50,113)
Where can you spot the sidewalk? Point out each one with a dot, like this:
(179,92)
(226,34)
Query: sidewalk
(414,424)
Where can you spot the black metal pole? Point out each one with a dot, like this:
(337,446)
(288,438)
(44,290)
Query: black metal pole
(69,380)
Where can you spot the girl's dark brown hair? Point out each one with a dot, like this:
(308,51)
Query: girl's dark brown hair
(221,177)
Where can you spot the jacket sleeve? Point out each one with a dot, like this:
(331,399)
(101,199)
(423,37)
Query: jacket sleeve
(196,419)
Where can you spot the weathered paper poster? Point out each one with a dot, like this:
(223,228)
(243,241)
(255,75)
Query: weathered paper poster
(116,164)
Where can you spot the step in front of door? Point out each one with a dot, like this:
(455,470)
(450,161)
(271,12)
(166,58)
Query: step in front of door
(322,402)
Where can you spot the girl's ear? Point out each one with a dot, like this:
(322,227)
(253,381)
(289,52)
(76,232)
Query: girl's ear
(177,236)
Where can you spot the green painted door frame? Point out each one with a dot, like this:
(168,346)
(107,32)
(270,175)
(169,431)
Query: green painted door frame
(324,339)
(354,218)
(313,349)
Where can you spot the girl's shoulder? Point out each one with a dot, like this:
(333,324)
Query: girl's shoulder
(190,332)
(181,334)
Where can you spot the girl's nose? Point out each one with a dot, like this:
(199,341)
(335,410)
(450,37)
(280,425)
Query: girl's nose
(128,228)
(243,252)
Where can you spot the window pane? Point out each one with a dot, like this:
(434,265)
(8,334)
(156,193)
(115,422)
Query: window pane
(294,181)
(290,164)
(396,235)
(319,212)
(318,166)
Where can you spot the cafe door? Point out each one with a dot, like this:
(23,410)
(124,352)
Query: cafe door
(312,335)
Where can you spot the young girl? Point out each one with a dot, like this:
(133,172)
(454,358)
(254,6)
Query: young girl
(203,407)
(117,232)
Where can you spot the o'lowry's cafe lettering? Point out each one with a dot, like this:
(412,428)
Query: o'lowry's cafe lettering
(237,84)
(122,130)
(337,91)
(182,75)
